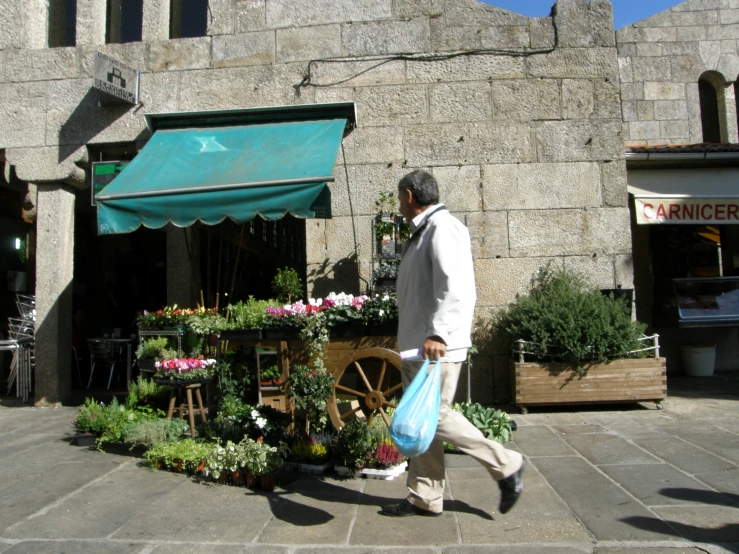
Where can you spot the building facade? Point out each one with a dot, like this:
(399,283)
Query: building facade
(518,118)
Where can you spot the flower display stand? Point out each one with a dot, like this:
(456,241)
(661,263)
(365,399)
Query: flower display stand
(189,388)
(386,474)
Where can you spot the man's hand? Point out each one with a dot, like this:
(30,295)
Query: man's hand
(433,348)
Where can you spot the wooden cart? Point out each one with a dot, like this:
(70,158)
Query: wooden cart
(366,371)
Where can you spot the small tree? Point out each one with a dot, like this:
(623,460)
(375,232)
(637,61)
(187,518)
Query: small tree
(287,285)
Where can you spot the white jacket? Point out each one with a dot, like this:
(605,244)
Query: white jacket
(436,285)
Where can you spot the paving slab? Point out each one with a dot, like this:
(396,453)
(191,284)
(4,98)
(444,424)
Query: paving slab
(513,549)
(609,449)
(703,523)
(312,512)
(16,443)
(541,441)
(600,504)
(77,547)
(717,441)
(110,503)
(652,484)
(372,529)
(647,551)
(200,548)
(196,512)
(540,516)
(584,429)
(684,455)
(29,495)
(460,460)
(364,550)
(723,481)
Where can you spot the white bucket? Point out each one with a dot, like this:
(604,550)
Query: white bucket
(699,359)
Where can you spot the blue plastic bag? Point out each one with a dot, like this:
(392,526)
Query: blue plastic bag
(414,422)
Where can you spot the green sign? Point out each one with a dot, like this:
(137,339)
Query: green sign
(103,174)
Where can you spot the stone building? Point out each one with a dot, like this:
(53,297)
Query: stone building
(518,118)
(678,73)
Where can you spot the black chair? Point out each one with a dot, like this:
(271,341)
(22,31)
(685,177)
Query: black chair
(104,353)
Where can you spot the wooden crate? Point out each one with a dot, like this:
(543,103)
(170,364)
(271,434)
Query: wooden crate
(627,380)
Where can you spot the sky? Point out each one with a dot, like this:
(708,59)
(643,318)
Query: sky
(625,12)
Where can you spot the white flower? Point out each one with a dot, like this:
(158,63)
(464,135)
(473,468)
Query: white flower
(382,313)
(386,298)
(261,422)
(254,414)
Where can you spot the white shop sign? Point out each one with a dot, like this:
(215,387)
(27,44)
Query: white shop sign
(687,210)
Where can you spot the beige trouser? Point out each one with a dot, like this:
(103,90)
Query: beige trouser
(426,474)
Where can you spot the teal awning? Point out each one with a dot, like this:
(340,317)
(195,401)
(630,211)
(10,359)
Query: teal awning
(211,173)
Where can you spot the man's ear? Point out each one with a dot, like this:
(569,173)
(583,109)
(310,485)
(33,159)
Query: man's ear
(407,195)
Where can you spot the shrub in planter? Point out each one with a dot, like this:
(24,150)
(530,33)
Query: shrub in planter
(155,348)
(309,452)
(149,432)
(261,458)
(250,314)
(563,319)
(185,454)
(494,424)
(386,455)
(287,285)
(353,444)
(310,389)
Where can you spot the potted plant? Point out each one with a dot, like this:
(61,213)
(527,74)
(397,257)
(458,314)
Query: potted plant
(352,446)
(247,319)
(310,456)
(151,350)
(287,285)
(403,233)
(271,375)
(225,459)
(385,224)
(183,455)
(343,314)
(386,462)
(310,389)
(385,275)
(380,315)
(573,345)
(184,369)
(263,461)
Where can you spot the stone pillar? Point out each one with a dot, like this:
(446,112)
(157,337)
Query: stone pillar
(54,271)
(156,20)
(91,22)
(727,113)
(36,24)
(182,267)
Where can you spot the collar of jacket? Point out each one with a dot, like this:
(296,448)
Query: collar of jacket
(419,231)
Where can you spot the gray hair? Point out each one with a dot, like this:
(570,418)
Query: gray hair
(422,185)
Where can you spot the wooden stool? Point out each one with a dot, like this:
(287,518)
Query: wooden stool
(190,410)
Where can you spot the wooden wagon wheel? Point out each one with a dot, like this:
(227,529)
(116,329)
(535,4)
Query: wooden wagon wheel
(370,381)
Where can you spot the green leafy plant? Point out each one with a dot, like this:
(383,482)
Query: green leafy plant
(287,285)
(250,314)
(563,319)
(263,459)
(205,322)
(379,309)
(186,453)
(309,452)
(230,456)
(146,390)
(353,444)
(311,388)
(494,424)
(149,432)
(271,372)
(155,348)
(92,417)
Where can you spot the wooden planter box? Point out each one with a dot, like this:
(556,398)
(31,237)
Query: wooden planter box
(625,380)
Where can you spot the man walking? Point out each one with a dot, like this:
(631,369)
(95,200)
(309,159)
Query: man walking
(436,301)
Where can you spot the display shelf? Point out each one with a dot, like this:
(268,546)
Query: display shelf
(707,302)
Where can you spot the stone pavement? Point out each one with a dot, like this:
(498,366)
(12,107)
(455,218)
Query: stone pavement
(605,480)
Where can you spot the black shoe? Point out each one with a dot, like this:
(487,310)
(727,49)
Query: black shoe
(510,489)
(406,509)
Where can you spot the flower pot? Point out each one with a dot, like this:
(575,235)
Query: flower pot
(237,478)
(344,471)
(200,467)
(347,330)
(385,474)
(268,482)
(698,359)
(247,334)
(384,329)
(177,466)
(86,439)
(281,332)
(252,481)
(223,477)
(147,365)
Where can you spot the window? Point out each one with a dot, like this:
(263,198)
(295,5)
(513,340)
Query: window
(709,109)
(62,23)
(125,19)
(188,18)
